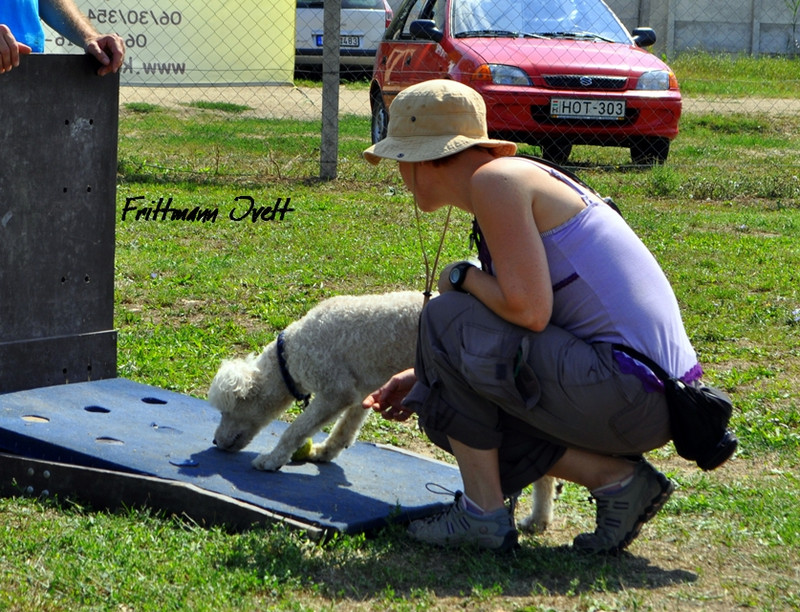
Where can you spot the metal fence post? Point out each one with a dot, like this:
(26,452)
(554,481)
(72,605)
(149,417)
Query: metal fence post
(329,147)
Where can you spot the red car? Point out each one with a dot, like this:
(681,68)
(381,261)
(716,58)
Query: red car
(553,73)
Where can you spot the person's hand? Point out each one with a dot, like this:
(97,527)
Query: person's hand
(109,49)
(10,49)
(387,401)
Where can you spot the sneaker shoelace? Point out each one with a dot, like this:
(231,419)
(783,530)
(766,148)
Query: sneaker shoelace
(437,489)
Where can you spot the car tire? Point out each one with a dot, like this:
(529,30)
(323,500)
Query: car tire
(650,151)
(380,119)
(556,150)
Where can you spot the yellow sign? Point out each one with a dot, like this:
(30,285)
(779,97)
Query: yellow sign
(195,42)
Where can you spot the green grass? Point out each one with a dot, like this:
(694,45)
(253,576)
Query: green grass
(704,74)
(722,217)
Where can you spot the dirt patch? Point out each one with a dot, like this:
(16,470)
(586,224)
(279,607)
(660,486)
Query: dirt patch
(286,101)
(272,102)
(744,106)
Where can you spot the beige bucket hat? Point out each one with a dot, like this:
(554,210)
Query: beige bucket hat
(434,119)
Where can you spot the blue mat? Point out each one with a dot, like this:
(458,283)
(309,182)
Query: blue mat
(120,425)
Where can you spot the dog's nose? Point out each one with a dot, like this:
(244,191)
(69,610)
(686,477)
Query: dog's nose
(214,442)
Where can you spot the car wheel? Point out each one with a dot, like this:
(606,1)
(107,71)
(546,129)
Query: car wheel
(650,151)
(380,119)
(556,150)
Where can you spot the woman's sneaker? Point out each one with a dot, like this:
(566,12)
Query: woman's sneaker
(456,526)
(621,515)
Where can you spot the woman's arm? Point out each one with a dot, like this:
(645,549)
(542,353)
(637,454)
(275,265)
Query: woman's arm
(521,292)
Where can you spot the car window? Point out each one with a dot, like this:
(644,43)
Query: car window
(362,4)
(422,9)
(437,10)
(413,13)
(537,17)
(346,4)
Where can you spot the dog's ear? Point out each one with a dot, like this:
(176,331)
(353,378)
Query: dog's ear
(234,381)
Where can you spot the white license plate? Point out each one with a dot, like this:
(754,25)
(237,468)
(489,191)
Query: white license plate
(344,41)
(574,108)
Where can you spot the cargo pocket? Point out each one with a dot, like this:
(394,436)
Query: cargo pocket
(426,401)
(493,362)
(442,414)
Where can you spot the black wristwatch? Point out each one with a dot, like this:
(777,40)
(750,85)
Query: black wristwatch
(458,274)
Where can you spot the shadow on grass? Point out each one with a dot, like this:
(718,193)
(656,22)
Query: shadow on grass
(367,569)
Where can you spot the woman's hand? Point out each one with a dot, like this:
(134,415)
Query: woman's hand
(387,401)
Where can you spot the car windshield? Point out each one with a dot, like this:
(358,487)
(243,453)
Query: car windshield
(587,19)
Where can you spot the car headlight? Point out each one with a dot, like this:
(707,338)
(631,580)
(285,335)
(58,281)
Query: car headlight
(500,74)
(657,80)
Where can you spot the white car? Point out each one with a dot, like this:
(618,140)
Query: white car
(363,23)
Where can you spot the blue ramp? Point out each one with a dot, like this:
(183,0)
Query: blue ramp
(122,426)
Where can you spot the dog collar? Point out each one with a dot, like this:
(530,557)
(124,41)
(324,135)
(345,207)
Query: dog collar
(287,378)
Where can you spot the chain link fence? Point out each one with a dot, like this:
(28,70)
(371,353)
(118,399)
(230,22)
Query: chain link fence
(242,53)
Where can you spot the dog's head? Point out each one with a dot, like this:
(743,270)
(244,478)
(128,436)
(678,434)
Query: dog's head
(248,397)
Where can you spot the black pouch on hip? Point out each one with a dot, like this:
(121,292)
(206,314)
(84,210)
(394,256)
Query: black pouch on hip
(698,417)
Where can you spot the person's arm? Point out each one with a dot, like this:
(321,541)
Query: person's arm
(65,17)
(387,401)
(520,291)
(10,49)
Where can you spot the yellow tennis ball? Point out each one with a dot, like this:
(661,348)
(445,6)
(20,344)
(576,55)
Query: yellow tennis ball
(304,451)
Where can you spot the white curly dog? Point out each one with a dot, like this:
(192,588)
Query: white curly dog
(340,351)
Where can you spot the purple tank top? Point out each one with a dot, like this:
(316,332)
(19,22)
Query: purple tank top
(608,287)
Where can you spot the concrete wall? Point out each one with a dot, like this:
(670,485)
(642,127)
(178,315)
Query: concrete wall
(729,26)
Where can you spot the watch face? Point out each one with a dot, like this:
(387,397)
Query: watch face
(455,276)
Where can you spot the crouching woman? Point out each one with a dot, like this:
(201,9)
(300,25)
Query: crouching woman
(519,371)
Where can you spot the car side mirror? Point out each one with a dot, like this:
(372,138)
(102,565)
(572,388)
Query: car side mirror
(644,37)
(425,29)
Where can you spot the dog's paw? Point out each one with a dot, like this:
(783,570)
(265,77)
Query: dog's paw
(535,524)
(267,463)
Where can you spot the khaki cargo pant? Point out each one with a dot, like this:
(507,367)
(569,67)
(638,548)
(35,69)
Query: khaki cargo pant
(491,384)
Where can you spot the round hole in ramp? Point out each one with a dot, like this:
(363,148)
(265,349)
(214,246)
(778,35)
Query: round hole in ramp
(35,418)
(153,400)
(96,409)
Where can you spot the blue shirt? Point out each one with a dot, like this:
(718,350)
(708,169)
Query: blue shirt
(22,18)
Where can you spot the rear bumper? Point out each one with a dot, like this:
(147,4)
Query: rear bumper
(350,57)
